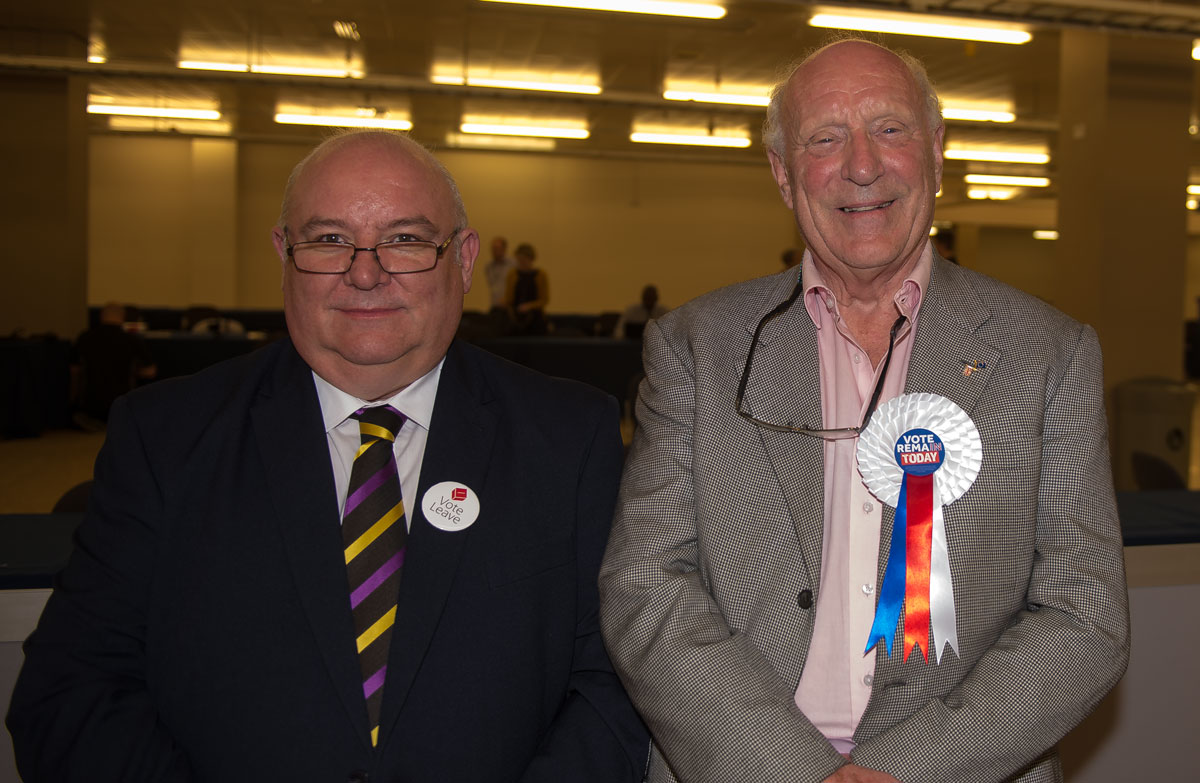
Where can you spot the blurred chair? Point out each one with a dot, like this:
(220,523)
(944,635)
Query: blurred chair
(74,499)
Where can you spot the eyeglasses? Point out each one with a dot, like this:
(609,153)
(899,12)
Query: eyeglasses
(832,434)
(396,258)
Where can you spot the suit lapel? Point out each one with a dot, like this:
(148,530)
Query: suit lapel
(951,313)
(291,441)
(785,388)
(458,449)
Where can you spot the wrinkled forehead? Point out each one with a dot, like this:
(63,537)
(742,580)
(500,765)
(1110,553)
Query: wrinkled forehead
(850,75)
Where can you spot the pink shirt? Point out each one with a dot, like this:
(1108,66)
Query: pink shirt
(836,682)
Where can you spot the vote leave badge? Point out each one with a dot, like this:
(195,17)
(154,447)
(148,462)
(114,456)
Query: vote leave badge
(920,453)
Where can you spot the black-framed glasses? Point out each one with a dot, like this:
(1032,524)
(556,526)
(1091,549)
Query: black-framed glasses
(396,258)
(815,432)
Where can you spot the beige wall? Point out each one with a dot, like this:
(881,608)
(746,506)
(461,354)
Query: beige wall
(42,203)
(183,221)
(1014,256)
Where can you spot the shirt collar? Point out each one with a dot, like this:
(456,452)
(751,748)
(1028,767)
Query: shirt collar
(415,401)
(818,296)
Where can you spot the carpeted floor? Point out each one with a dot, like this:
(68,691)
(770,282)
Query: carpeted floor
(35,472)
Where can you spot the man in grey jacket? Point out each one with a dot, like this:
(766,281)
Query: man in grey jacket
(789,592)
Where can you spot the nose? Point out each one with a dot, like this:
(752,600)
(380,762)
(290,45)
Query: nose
(862,164)
(365,271)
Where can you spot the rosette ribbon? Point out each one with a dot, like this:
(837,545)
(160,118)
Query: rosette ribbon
(919,453)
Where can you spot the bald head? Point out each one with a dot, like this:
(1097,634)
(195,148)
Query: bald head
(781,111)
(381,140)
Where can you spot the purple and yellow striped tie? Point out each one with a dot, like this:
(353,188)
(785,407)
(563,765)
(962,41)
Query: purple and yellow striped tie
(374,533)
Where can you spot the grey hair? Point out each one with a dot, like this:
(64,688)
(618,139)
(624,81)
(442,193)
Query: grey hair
(773,135)
(393,139)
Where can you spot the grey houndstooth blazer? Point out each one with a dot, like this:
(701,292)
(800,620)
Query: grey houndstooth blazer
(719,524)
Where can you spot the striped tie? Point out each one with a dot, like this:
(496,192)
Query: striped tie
(374,533)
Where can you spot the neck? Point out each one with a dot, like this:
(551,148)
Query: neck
(866,291)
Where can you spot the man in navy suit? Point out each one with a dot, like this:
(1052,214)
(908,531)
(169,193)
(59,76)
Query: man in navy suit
(203,627)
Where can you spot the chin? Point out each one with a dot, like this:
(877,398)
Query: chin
(373,354)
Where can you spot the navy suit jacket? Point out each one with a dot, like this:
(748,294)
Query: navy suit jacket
(202,629)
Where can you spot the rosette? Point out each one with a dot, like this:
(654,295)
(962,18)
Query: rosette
(919,453)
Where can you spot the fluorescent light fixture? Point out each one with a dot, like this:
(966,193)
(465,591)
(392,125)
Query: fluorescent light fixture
(452,73)
(207,65)
(1192,203)
(353,71)
(695,10)
(977,115)
(1196,48)
(306,70)
(735,99)
(1193,190)
(343,121)
(541,86)
(508,129)
(158,124)
(993,194)
(695,139)
(1045,233)
(1018,182)
(154,111)
(994,155)
(485,142)
(925,25)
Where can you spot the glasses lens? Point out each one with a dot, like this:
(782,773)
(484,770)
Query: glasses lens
(400,257)
(322,256)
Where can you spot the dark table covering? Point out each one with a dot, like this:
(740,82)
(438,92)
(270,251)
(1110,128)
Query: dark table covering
(34,547)
(35,385)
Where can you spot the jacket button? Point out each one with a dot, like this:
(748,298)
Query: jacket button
(358,776)
(805,599)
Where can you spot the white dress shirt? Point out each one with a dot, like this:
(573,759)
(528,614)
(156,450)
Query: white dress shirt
(415,401)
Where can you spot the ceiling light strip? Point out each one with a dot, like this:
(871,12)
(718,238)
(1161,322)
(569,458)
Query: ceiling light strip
(519,84)
(717,97)
(977,115)
(689,138)
(921,25)
(342,121)
(154,111)
(995,156)
(996,179)
(206,65)
(693,10)
(541,131)
(306,70)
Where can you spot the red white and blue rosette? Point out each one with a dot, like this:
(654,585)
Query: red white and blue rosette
(919,453)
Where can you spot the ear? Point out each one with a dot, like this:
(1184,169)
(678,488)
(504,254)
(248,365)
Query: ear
(780,170)
(468,251)
(280,242)
(939,137)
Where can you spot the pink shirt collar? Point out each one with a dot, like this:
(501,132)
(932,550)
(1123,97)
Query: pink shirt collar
(818,296)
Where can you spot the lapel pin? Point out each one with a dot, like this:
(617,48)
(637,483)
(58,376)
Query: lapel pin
(450,506)
(973,366)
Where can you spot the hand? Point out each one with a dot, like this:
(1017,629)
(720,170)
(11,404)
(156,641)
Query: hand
(852,773)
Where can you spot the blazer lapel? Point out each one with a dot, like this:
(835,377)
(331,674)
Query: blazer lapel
(946,342)
(291,441)
(459,447)
(785,388)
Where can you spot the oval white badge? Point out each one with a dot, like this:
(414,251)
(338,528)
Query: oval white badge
(450,506)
